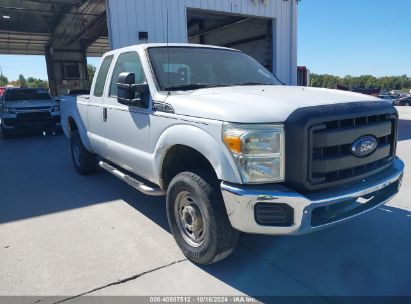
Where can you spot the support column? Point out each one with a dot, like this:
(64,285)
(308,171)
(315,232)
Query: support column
(50,71)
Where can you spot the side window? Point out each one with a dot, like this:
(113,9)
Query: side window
(127,62)
(102,76)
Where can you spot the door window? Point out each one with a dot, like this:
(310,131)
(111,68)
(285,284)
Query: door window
(102,76)
(130,63)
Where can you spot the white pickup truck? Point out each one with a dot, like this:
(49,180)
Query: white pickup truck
(230,146)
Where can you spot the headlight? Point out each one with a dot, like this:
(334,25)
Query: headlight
(258,151)
(8,110)
(55,108)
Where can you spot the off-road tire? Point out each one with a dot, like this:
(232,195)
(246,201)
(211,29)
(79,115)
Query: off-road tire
(220,239)
(84,161)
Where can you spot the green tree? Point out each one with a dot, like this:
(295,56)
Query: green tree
(91,70)
(37,83)
(3,80)
(22,81)
(402,82)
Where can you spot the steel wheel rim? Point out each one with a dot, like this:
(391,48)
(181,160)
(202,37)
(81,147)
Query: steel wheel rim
(190,221)
(76,155)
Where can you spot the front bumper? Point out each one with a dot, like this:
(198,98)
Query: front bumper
(14,122)
(314,211)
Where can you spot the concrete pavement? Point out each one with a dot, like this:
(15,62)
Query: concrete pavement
(62,234)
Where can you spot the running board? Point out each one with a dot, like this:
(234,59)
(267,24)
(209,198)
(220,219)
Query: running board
(132,181)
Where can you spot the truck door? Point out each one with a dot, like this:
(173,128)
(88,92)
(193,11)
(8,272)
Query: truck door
(128,129)
(97,110)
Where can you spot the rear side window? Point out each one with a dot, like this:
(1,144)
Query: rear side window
(102,76)
(127,62)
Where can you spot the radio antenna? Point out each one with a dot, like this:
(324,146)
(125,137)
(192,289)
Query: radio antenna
(168,50)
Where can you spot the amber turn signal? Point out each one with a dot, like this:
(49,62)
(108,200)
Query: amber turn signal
(233,143)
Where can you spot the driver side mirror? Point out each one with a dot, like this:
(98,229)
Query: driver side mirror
(131,94)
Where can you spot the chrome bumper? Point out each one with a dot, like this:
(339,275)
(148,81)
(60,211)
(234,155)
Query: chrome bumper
(12,122)
(363,196)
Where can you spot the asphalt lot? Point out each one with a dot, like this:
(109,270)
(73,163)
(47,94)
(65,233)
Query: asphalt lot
(62,234)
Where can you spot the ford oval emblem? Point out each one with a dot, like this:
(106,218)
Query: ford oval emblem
(364,146)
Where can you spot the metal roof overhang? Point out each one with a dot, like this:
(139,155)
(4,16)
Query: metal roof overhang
(29,27)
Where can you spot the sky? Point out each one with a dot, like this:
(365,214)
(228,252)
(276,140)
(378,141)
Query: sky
(339,37)
(30,66)
(355,37)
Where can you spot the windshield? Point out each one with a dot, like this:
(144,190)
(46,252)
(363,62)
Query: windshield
(189,68)
(20,95)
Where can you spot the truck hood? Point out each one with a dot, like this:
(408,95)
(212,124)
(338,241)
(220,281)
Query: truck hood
(256,104)
(30,103)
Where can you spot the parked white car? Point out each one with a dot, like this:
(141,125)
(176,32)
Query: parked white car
(28,109)
(231,148)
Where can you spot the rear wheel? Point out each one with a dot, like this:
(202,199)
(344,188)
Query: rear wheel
(407,104)
(84,161)
(198,218)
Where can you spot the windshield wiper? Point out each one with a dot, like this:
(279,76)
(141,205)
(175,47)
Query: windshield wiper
(193,86)
(196,86)
(251,83)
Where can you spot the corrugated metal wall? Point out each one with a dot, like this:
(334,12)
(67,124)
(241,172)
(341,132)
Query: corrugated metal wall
(126,18)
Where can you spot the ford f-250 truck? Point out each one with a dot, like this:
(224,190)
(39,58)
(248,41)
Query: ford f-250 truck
(230,146)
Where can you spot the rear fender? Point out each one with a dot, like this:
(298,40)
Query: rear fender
(71,112)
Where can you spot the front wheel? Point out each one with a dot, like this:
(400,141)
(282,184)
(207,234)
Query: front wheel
(198,219)
(84,161)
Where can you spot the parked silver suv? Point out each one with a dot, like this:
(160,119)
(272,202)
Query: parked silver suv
(24,109)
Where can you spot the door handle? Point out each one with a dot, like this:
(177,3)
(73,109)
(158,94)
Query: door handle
(104,114)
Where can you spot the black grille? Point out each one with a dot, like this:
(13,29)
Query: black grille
(34,120)
(331,158)
(319,141)
(37,109)
(33,116)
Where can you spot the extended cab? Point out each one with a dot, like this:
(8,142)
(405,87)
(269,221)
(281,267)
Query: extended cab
(28,109)
(230,146)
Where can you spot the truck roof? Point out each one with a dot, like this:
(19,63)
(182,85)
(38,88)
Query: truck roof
(153,45)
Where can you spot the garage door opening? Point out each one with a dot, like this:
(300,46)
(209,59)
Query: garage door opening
(252,35)
(66,32)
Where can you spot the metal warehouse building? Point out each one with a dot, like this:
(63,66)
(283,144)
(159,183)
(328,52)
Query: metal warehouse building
(68,31)
(265,29)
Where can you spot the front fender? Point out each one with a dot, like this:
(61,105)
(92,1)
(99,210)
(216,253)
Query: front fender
(197,138)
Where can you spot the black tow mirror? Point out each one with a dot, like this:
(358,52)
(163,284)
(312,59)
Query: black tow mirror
(131,94)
